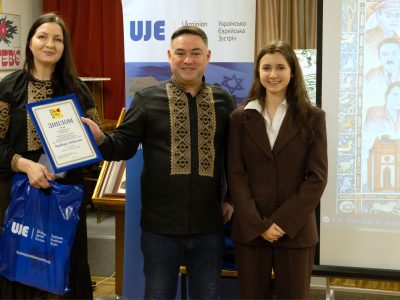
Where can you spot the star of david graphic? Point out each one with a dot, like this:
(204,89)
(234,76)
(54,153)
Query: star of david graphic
(233,83)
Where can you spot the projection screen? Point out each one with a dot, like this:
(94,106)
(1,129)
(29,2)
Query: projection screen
(360,92)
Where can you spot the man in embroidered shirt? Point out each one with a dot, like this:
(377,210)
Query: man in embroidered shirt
(182,124)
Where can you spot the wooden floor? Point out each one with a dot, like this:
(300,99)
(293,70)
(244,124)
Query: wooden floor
(105,288)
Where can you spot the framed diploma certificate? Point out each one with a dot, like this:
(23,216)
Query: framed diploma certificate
(67,141)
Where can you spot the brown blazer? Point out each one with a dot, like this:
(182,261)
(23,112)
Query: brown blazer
(283,185)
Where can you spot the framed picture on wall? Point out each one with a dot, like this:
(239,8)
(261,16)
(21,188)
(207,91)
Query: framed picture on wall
(308,62)
(10,42)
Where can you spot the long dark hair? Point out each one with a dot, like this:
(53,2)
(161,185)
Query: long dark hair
(64,75)
(299,104)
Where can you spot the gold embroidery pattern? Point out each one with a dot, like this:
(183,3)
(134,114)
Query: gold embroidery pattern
(180,131)
(93,115)
(101,139)
(37,90)
(14,163)
(207,128)
(4,118)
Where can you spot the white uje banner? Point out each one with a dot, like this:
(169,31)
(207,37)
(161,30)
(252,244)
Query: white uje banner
(230,27)
(148,26)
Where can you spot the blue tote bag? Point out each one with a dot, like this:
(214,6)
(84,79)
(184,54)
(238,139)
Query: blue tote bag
(38,233)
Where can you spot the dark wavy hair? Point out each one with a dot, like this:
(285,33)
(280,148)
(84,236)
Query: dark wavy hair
(190,30)
(299,104)
(64,77)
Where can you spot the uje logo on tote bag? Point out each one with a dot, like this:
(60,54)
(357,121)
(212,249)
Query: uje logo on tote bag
(19,229)
(38,233)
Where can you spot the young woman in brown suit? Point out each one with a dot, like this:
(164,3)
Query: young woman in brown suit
(277,170)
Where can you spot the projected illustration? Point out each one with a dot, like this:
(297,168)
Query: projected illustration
(368,165)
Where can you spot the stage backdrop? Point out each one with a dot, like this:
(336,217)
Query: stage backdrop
(148,25)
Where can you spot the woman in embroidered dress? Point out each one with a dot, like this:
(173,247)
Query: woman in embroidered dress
(48,72)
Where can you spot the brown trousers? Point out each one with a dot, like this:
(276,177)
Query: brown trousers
(292,269)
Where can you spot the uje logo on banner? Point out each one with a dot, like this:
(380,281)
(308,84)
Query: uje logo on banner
(137,28)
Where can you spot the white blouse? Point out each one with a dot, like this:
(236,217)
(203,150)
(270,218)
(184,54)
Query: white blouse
(272,129)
